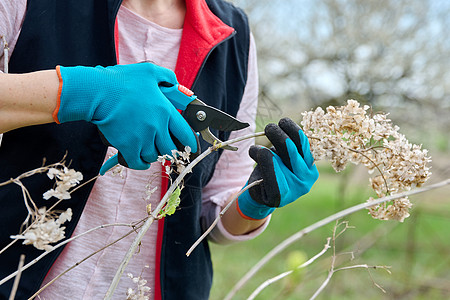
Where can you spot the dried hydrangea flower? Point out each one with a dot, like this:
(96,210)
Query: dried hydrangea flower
(65,179)
(149,191)
(46,230)
(349,134)
(178,161)
(142,291)
(118,171)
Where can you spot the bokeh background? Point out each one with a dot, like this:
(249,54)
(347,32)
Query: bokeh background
(393,55)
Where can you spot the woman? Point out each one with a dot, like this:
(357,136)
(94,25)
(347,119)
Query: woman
(209,47)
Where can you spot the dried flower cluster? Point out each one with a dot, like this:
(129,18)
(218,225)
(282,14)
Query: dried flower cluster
(65,179)
(349,134)
(178,161)
(173,164)
(44,226)
(46,229)
(142,292)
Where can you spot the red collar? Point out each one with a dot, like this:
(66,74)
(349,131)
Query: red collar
(202,31)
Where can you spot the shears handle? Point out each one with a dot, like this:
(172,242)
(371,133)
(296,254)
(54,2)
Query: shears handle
(179,95)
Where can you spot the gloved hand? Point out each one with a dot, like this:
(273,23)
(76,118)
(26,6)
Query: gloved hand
(288,171)
(128,107)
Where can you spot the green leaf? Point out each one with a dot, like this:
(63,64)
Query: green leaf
(172,204)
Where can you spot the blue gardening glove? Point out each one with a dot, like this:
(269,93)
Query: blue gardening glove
(288,171)
(129,109)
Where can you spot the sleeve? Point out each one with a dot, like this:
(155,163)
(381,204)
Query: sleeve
(234,167)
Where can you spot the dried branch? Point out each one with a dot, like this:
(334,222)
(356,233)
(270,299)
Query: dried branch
(83,260)
(12,295)
(30,173)
(365,266)
(268,282)
(295,237)
(224,210)
(155,213)
(60,245)
(333,263)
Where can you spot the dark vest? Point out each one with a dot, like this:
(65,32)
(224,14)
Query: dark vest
(81,32)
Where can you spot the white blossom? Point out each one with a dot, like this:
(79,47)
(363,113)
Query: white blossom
(46,229)
(60,192)
(142,291)
(349,134)
(149,191)
(178,161)
(65,179)
(168,170)
(118,171)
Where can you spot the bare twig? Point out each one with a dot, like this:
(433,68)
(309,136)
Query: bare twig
(59,245)
(148,223)
(386,268)
(73,190)
(17,279)
(365,266)
(83,260)
(28,174)
(7,246)
(154,214)
(295,237)
(224,210)
(268,282)
(39,170)
(81,185)
(333,263)
(26,198)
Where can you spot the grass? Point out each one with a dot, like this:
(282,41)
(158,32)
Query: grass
(417,250)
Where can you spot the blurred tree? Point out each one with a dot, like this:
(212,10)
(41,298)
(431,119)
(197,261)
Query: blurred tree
(393,54)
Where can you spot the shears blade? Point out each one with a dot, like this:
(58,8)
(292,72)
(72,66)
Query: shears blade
(200,116)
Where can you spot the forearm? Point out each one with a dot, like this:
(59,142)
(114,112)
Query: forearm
(235,224)
(27,99)
(233,167)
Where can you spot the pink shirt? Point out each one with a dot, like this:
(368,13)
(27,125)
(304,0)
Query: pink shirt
(123,198)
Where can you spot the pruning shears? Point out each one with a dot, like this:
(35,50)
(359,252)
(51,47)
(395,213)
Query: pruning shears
(197,114)
(200,116)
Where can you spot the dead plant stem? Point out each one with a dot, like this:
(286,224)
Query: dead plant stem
(224,210)
(298,235)
(83,260)
(15,286)
(155,213)
(268,282)
(59,245)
